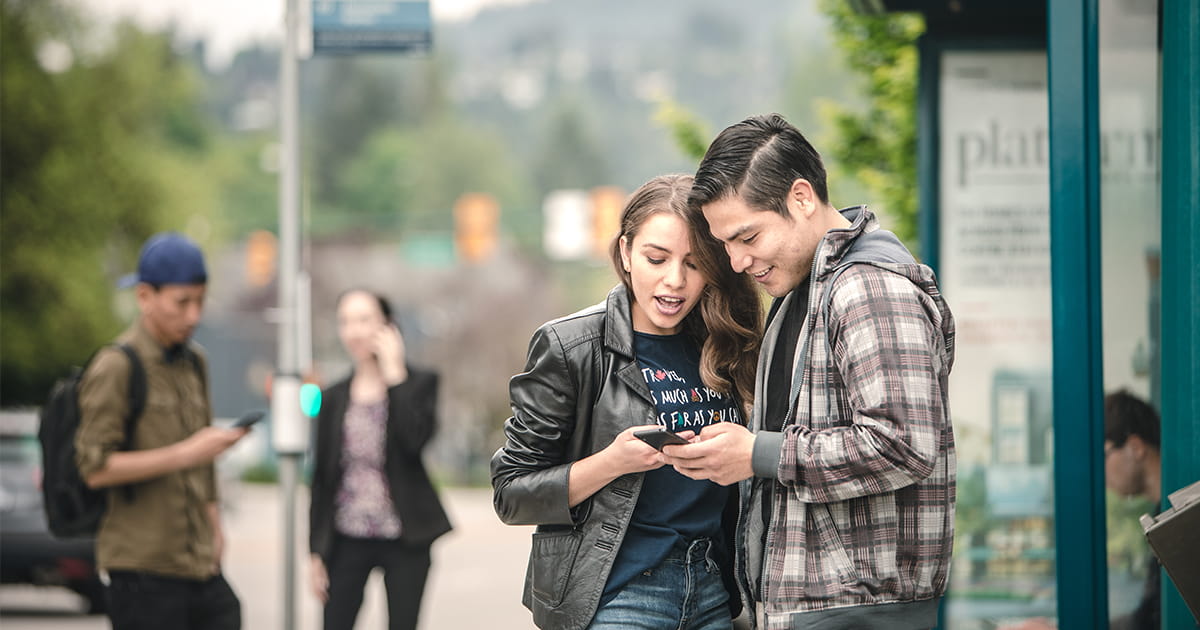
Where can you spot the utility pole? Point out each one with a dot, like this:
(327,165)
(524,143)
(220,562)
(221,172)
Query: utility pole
(289,433)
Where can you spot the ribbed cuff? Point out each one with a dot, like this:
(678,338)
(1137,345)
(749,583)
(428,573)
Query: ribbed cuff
(768,449)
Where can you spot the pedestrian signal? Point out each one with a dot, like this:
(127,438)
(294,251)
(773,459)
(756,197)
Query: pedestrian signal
(310,399)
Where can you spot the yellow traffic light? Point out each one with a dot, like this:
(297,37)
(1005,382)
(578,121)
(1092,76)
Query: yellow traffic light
(476,222)
(261,249)
(607,202)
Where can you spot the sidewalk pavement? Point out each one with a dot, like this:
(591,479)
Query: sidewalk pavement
(476,579)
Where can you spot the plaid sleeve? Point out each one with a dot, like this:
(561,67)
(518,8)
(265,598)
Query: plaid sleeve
(887,435)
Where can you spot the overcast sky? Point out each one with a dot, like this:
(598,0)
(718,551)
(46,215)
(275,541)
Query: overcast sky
(227,25)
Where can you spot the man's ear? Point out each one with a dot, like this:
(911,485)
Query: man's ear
(1136,445)
(802,200)
(142,292)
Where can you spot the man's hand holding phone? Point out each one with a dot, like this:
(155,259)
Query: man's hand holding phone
(248,419)
(722,454)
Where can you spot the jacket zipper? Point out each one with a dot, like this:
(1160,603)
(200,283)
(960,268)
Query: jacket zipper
(769,488)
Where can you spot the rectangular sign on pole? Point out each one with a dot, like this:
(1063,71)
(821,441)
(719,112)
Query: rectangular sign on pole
(350,26)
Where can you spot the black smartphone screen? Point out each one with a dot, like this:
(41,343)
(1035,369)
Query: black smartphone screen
(658,438)
(248,419)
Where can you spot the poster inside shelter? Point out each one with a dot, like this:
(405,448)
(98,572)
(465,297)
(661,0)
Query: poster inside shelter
(995,252)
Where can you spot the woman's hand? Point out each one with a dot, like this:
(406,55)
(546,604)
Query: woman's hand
(389,352)
(318,578)
(626,454)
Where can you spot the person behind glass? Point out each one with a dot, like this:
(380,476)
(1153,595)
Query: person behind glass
(372,502)
(1132,468)
(622,541)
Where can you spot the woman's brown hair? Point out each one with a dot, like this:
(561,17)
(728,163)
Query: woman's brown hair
(728,320)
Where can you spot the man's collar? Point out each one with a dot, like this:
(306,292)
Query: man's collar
(173,353)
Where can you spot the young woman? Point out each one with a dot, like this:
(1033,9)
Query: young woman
(623,541)
(372,502)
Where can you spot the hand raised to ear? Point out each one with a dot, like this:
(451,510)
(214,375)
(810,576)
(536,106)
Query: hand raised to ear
(390,352)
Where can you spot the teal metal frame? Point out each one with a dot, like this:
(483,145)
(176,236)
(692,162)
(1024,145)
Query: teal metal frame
(1080,536)
(1072,54)
(930,48)
(1180,264)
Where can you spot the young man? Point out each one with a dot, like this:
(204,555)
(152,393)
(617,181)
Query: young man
(160,540)
(847,466)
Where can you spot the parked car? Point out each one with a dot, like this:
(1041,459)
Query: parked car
(29,554)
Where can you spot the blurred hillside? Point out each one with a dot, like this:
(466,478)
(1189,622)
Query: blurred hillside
(521,100)
(124,132)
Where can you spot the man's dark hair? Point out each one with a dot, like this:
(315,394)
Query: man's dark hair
(1126,415)
(758,159)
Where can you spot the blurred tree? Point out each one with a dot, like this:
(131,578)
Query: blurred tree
(691,135)
(348,100)
(99,150)
(355,102)
(569,156)
(878,145)
(247,169)
(407,179)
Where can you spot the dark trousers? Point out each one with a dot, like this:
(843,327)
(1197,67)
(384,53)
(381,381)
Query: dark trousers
(145,601)
(404,565)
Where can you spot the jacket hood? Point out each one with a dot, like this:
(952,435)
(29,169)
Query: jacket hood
(865,242)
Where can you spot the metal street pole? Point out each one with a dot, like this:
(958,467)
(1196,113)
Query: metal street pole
(289,432)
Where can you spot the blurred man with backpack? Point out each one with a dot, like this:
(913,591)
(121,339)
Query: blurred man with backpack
(160,539)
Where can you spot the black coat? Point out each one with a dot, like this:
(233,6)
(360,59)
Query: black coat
(580,388)
(411,421)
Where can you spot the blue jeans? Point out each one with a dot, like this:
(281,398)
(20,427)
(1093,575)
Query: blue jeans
(684,592)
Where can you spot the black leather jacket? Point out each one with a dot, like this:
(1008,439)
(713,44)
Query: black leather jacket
(411,423)
(580,388)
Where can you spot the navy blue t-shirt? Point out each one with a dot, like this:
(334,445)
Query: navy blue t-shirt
(672,509)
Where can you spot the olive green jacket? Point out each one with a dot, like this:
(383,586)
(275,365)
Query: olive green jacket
(163,526)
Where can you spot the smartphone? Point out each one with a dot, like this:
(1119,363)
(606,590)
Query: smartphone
(248,419)
(658,438)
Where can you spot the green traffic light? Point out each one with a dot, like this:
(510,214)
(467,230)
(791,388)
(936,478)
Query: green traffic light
(310,399)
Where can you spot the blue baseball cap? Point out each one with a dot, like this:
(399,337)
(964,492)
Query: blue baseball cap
(168,258)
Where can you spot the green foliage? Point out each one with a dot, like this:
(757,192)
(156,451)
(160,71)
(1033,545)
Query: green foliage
(878,146)
(569,155)
(690,133)
(1127,548)
(261,472)
(408,178)
(96,156)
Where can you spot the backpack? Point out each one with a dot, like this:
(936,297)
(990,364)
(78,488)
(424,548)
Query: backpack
(74,510)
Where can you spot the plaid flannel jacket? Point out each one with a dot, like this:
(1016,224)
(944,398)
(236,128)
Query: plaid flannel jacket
(863,495)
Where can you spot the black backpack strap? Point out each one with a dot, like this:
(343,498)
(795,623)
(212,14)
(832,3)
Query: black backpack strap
(137,393)
(137,402)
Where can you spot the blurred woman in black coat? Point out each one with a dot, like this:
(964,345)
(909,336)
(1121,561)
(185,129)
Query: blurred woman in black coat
(372,502)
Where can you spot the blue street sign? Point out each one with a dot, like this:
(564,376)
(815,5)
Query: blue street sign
(348,26)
